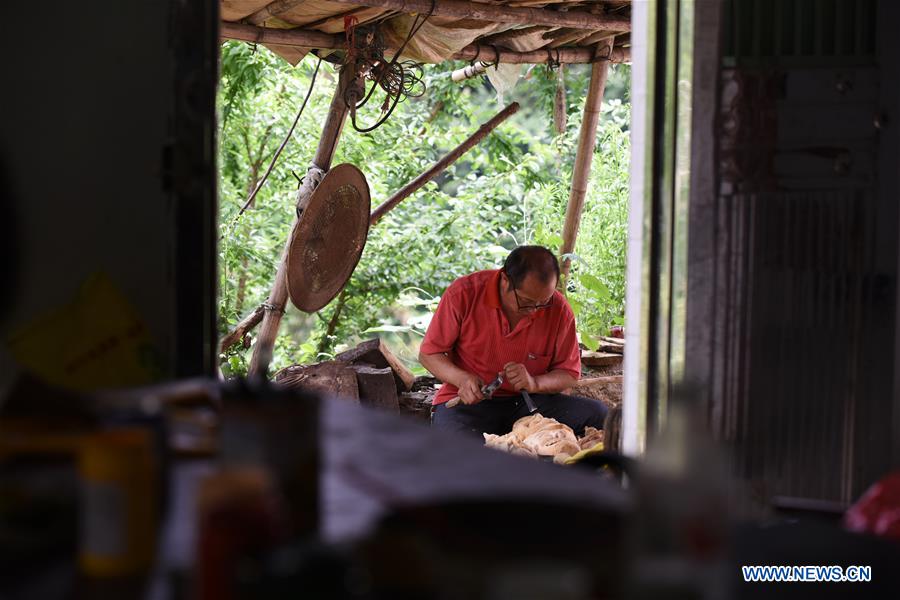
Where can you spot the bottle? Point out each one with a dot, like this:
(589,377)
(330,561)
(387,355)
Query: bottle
(119,477)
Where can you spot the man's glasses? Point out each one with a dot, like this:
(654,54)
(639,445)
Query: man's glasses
(530,307)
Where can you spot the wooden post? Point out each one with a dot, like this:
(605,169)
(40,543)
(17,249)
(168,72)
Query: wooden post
(275,305)
(448,159)
(584,157)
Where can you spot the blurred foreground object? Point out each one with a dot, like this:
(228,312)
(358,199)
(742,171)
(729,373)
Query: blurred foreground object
(680,529)
(878,510)
(119,492)
(98,340)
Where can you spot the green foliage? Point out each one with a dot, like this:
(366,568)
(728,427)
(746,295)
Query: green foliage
(596,288)
(511,189)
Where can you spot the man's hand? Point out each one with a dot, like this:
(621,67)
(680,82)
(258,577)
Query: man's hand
(470,389)
(519,377)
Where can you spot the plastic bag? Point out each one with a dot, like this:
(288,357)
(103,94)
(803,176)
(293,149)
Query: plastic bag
(503,78)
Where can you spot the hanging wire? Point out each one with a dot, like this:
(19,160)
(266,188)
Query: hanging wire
(553,63)
(398,79)
(275,156)
(290,132)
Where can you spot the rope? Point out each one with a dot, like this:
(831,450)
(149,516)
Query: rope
(272,307)
(309,183)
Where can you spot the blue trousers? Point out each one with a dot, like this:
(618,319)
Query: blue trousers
(497,415)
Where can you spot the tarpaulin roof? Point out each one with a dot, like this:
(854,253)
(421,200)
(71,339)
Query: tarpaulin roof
(566,30)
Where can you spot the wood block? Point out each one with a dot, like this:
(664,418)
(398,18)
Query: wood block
(611,348)
(612,345)
(332,377)
(600,359)
(359,352)
(417,404)
(375,352)
(377,386)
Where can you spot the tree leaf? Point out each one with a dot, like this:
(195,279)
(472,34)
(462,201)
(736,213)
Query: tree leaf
(591,342)
(389,329)
(594,284)
(576,306)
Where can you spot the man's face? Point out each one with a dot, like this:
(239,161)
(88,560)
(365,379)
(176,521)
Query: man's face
(530,295)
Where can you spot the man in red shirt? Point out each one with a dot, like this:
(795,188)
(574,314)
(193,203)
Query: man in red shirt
(511,321)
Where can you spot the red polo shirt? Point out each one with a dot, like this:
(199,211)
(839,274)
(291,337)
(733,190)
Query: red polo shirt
(470,326)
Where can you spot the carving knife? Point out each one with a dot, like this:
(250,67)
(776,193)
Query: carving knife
(486,390)
(529,402)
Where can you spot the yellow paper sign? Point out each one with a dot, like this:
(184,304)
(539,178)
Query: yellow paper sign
(96,341)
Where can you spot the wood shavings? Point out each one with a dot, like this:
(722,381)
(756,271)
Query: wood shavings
(536,436)
(592,437)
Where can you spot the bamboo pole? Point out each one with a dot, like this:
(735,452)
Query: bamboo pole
(580,54)
(305,38)
(584,156)
(272,9)
(448,159)
(480,11)
(275,305)
(503,38)
(473,70)
(597,37)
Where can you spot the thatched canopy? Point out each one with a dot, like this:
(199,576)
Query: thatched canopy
(509,31)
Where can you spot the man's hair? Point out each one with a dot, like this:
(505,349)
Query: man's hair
(531,259)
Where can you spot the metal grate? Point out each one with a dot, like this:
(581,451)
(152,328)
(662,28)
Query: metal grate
(801,314)
(810,297)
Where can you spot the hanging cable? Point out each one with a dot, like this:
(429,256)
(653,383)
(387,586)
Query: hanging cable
(258,187)
(398,79)
(290,132)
